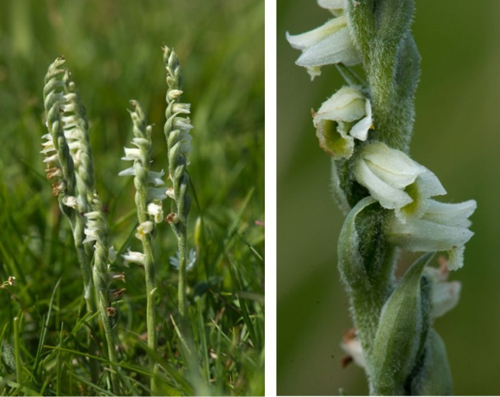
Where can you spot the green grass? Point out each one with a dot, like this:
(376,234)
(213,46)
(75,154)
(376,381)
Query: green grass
(113,50)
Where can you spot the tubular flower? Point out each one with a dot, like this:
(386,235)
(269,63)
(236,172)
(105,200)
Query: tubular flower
(133,257)
(340,119)
(442,227)
(143,229)
(156,211)
(329,44)
(395,180)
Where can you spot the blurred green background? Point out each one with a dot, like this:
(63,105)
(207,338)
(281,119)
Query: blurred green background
(113,50)
(456,136)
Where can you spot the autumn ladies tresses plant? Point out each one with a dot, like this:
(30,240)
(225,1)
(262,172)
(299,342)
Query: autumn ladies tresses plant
(177,127)
(388,197)
(148,201)
(69,162)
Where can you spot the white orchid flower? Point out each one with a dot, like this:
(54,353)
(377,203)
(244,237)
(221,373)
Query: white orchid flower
(340,119)
(442,227)
(156,211)
(329,44)
(143,229)
(395,180)
(133,257)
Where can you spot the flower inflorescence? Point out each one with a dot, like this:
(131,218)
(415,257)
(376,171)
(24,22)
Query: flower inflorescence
(366,129)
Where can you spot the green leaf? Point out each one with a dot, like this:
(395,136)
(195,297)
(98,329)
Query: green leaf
(434,378)
(399,334)
(351,261)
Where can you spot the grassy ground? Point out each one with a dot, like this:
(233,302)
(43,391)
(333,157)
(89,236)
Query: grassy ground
(113,51)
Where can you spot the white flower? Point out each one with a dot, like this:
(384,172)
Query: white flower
(444,294)
(156,211)
(143,229)
(442,227)
(191,260)
(182,123)
(111,254)
(70,201)
(157,193)
(181,108)
(395,180)
(170,193)
(132,154)
(328,44)
(174,94)
(343,117)
(154,177)
(52,159)
(133,257)
(93,226)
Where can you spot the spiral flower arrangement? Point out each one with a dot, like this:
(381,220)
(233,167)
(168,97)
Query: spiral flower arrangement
(366,128)
(177,128)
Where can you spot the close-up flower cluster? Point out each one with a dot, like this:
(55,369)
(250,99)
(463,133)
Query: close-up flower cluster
(389,198)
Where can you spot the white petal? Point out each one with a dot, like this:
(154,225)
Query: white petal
(392,166)
(127,172)
(132,154)
(312,37)
(389,196)
(157,193)
(155,177)
(429,184)
(451,214)
(155,211)
(134,257)
(347,104)
(425,235)
(70,201)
(361,128)
(111,254)
(332,4)
(456,258)
(444,297)
(336,48)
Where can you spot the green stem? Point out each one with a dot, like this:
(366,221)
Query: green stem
(182,244)
(110,340)
(17,351)
(83,259)
(149,267)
